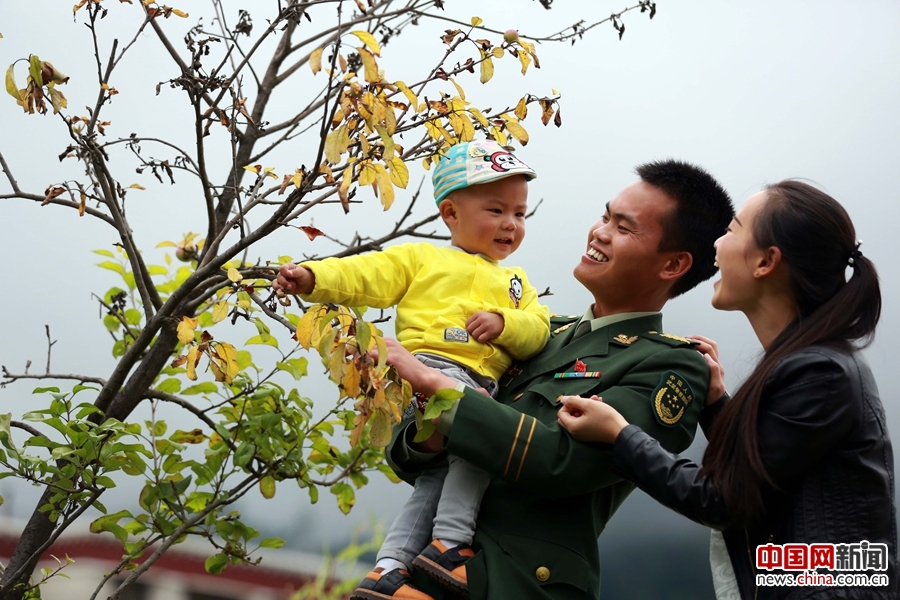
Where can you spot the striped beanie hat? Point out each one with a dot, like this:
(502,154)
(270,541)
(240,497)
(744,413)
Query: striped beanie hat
(471,163)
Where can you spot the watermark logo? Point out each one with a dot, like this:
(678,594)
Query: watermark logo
(805,564)
(861,556)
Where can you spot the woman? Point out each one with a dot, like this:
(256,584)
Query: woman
(800,453)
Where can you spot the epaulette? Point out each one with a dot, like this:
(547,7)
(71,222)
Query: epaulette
(562,319)
(667,338)
(559,323)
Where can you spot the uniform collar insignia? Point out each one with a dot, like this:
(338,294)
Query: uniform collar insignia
(624,339)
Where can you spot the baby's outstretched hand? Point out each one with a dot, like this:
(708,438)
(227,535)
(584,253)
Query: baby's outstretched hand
(294,279)
(485,326)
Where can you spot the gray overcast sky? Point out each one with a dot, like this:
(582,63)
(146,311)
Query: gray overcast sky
(753,91)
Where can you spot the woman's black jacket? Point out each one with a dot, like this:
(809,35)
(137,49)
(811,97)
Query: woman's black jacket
(823,440)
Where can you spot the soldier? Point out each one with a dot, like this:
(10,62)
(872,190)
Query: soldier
(550,497)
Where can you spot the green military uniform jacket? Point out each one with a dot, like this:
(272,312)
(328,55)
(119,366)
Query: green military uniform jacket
(550,496)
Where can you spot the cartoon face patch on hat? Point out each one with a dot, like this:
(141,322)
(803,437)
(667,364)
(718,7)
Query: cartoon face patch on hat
(472,163)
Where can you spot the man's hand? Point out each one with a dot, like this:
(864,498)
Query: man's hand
(590,420)
(294,279)
(485,326)
(710,350)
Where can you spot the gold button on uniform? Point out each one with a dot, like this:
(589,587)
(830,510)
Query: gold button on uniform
(517,396)
(542,573)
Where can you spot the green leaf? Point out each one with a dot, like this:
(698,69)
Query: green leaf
(111,323)
(269,542)
(170,386)
(110,523)
(44,390)
(216,563)
(34,69)
(112,266)
(207,387)
(244,454)
(425,432)
(105,482)
(440,402)
(388,472)
(346,497)
(105,253)
(266,340)
(133,316)
(295,366)
(313,494)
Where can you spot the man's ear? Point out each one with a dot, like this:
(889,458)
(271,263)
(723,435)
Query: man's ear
(677,265)
(447,208)
(767,261)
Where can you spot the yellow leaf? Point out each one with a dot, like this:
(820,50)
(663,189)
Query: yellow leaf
(186,330)
(336,144)
(369,40)
(497,52)
(11,86)
(228,354)
(192,359)
(234,275)
(380,430)
(459,90)
(297,179)
(366,173)
(350,382)
(137,186)
(315,60)
(336,363)
(399,172)
(369,65)
(267,486)
(554,92)
(479,116)
(476,21)
(252,168)
(384,186)
(525,59)
(499,135)
(379,399)
(220,311)
(517,131)
(388,141)
(179,13)
(521,109)
(305,326)
(413,101)
(487,69)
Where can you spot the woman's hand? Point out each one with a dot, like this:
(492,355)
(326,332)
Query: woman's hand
(590,420)
(710,351)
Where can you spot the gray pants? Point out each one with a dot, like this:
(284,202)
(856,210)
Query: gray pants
(445,501)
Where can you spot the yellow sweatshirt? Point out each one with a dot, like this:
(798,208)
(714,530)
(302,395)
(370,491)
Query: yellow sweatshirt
(436,290)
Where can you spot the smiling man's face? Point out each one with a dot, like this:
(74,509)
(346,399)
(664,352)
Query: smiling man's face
(622,263)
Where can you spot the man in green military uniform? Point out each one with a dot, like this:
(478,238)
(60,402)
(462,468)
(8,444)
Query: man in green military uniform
(550,496)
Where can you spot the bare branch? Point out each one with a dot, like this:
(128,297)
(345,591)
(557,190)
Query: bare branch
(26,427)
(49,346)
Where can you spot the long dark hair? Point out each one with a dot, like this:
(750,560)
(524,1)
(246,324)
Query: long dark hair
(818,243)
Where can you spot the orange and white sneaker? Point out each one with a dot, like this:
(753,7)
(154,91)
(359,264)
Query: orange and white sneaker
(447,567)
(395,584)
